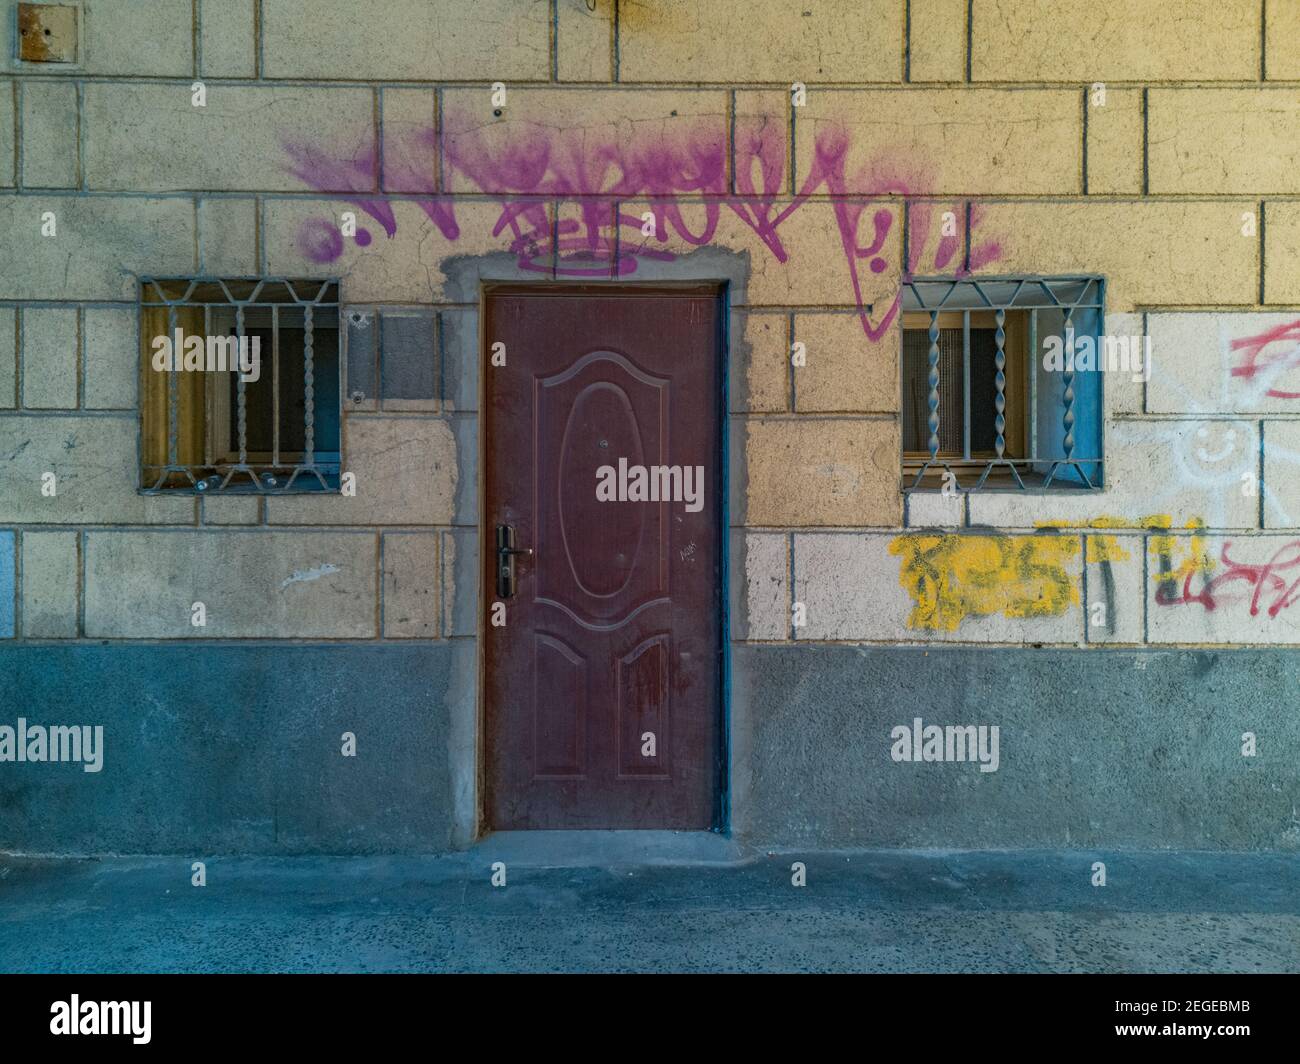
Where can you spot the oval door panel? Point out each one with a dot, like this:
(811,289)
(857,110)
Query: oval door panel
(601,539)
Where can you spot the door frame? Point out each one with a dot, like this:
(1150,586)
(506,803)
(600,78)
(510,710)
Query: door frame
(720,289)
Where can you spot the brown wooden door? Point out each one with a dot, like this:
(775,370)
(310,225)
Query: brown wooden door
(603,688)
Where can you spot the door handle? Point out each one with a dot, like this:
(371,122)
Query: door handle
(506,554)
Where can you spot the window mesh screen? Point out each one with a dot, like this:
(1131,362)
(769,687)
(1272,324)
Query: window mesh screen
(983,391)
(916,390)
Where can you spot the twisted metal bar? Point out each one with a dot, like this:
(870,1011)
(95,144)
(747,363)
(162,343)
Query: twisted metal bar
(1000,382)
(1068,396)
(240,387)
(933,381)
(309,389)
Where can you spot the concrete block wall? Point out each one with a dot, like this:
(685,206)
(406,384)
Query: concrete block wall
(646,142)
(1158,148)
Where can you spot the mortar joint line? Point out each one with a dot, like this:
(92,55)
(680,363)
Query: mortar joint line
(907,42)
(618,59)
(555,40)
(970,40)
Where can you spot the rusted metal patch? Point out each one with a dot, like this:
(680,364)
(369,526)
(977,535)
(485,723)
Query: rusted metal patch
(47,33)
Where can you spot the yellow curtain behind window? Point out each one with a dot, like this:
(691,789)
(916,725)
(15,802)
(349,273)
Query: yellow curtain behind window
(190,397)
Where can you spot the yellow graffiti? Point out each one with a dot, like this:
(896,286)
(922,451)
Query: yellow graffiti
(1109,548)
(1179,557)
(952,577)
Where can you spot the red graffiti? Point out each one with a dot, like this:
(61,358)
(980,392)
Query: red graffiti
(1259,581)
(679,175)
(1257,357)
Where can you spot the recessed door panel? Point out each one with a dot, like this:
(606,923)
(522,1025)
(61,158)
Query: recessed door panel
(602,542)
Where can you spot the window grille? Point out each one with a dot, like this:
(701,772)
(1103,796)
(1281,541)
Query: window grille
(981,409)
(208,427)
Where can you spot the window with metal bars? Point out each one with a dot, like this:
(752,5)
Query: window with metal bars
(982,410)
(240,385)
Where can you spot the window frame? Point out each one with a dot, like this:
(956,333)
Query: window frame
(1031,295)
(208,414)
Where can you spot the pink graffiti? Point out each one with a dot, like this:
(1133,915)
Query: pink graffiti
(1258,358)
(680,176)
(1259,580)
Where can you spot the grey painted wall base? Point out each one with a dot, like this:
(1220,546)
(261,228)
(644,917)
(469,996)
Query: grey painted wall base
(1098,747)
(235,748)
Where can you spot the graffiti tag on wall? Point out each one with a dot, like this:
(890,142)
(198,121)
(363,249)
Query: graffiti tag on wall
(679,174)
(1265,358)
(953,577)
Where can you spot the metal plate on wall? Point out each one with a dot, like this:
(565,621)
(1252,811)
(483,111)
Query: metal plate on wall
(47,33)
